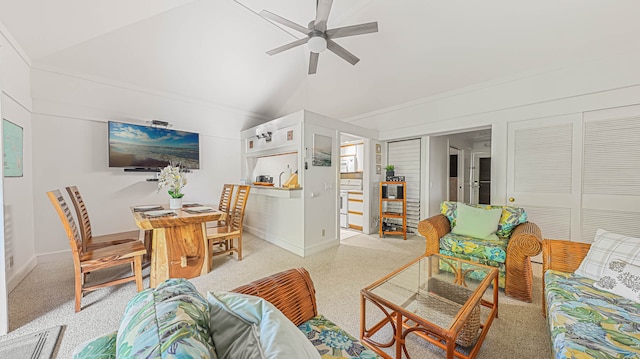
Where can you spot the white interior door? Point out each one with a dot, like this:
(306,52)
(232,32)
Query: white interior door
(543,173)
(475,174)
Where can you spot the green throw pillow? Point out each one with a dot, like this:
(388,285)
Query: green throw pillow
(477,222)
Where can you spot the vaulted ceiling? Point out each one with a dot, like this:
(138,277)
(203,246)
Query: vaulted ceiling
(214,50)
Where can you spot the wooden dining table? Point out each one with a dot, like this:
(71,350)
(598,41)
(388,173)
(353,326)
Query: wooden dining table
(179,246)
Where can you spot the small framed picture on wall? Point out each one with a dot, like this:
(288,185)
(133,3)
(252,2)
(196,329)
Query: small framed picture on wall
(378,159)
(378,169)
(378,148)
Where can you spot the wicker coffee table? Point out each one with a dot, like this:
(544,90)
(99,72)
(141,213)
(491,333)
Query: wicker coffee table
(436,298)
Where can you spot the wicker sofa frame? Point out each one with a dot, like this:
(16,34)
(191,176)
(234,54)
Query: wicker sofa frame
(290,291)
(524,243)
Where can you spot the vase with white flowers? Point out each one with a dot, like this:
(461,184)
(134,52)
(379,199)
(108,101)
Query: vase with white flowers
(174,177)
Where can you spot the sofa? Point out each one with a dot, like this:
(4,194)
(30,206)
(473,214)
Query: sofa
(273,317)
(509,248)
(584,320)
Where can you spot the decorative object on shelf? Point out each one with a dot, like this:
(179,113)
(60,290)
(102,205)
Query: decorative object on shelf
(395,178)
(321,150)
(174,177)
(390,170)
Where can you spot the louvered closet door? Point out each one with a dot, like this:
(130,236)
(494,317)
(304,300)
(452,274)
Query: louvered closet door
(543,173)
(611,175)
(405,156)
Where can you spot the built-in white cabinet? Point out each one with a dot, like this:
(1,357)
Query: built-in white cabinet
(355,215)
(352,153)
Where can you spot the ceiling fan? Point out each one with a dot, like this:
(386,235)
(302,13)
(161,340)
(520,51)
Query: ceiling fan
(318,37)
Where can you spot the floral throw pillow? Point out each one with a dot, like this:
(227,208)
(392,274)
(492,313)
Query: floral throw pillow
(511,217)
(621,278)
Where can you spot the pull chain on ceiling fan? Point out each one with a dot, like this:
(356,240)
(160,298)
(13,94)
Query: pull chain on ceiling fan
(318,38)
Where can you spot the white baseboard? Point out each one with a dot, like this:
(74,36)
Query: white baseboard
(321,247)
(55,256)
(20,274)
(302,252)
(275,240)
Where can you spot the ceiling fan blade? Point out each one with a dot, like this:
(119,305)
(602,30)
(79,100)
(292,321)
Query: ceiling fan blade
(288,46)
(313,63)
(322,14)
(352,30)
(279,19)
(340,51)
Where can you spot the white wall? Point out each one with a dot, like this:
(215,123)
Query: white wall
(70,148)
(17,237)
(609,82)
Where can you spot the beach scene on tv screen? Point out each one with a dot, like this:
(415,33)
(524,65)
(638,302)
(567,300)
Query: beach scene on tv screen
(142,146)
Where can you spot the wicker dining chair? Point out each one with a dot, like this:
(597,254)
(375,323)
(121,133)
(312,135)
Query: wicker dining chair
(221,239)
(84,261)
(89,241)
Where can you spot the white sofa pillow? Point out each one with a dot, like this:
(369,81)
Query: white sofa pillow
(621,278)
(606,246)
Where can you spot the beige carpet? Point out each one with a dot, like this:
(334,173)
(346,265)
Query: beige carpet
(45,298)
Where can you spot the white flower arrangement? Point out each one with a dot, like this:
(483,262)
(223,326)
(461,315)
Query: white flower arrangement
(174,177)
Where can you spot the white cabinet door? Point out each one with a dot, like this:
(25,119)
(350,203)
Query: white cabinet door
(356,209)
(543,173)
(360,158)
(611,172)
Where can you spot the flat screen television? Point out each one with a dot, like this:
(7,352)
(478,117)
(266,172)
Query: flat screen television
(137,146)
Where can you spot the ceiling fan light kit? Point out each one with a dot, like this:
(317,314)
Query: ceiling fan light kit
(318,38)
(317,44)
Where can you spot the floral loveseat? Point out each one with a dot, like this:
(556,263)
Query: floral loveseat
(274,317)
(511,249)
(584,320)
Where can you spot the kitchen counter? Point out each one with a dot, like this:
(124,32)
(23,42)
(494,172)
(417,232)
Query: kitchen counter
(276,191)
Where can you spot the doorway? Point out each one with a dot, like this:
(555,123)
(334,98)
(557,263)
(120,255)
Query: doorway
(454,179)
(481,171)
(352,174)
(456,175)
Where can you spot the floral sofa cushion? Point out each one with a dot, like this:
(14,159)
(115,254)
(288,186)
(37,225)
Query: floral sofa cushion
(171,320)
(103,347)
(487,252)
(511,216)
(332,342)
(586,322)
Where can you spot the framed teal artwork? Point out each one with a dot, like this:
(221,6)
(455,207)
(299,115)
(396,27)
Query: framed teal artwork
(11,149)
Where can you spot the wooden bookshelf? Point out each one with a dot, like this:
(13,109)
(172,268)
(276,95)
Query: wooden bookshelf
(393,205)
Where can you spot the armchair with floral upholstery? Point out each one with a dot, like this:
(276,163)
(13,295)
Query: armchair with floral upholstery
(509,249)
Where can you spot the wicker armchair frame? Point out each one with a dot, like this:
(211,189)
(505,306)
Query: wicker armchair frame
(563,256)
(524,243)
(291,291)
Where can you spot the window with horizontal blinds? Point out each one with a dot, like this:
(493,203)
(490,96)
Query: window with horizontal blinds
(405,156)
